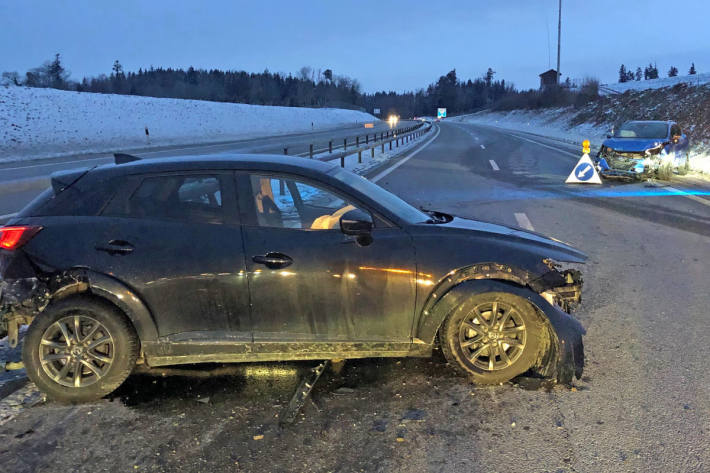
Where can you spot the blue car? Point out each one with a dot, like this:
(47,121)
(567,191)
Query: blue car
(637,149)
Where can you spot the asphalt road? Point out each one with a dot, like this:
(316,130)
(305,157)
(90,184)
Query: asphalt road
(20,182)
(642,405)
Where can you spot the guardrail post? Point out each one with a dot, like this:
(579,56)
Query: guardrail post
(330,146)
(357,141)
(285,150)
(372,152)
(367,139)
(342,161)
(390,145)
(383,147)
(310,151)
(345,144)
(359,156)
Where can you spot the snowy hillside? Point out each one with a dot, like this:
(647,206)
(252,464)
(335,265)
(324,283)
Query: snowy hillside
(695,79)
(48,122)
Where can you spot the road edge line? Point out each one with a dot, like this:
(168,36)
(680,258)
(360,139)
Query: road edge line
(384,173)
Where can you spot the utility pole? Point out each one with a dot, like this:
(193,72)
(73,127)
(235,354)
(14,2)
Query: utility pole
(559,35)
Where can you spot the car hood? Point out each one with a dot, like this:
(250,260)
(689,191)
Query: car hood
(545,246)
(632,144)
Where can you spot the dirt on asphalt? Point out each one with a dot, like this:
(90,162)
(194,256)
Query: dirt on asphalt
(376,415)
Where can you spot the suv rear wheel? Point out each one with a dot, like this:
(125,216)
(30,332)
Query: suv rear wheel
(492,337)
(79,349)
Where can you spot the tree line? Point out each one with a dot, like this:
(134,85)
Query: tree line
(649,72)
(307,88)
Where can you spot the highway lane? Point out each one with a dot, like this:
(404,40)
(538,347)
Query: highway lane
(644,403)
(21,181)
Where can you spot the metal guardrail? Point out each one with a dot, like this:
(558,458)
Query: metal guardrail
(355,141)
(386,138)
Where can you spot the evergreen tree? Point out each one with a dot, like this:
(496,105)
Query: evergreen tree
(673,71)
(489,76)
(639,74)
(57,74)
(622,74)
(692,70)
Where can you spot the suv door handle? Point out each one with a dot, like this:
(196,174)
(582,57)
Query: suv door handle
(116,247)
(273,260)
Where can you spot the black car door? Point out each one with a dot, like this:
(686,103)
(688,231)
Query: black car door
(327,287)
(176,239)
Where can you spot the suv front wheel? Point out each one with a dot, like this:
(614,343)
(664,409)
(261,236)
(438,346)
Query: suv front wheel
(79,349)
(492,337)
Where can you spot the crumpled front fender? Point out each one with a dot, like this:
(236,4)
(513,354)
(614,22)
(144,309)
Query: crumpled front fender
(562,359)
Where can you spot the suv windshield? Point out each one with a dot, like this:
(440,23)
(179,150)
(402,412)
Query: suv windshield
(386,199)
(642,130)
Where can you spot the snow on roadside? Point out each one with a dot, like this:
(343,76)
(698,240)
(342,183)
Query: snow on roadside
(694,79)
(551,122)
(36,123)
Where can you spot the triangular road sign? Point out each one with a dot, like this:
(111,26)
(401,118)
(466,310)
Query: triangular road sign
(584,172)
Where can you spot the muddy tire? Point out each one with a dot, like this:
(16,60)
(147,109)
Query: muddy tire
(492,337)
(80,349)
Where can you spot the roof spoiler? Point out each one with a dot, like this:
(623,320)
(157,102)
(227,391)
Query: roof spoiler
(123,158)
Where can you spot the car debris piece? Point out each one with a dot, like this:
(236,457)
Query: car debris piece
(299,398)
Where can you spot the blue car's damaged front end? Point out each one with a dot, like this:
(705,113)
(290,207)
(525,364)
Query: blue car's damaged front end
(639,148)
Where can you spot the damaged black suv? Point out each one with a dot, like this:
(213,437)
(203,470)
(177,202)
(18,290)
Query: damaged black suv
(265,258)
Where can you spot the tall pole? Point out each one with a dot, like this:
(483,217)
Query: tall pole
(559,35)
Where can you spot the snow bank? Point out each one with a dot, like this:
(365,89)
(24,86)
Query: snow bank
(38,123)
(695,79)
(551,122)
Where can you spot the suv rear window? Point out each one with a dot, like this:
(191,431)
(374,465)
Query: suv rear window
(86,198)
(174,197)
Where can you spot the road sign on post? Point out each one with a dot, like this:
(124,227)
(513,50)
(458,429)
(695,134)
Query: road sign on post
(376,111)
(440,113)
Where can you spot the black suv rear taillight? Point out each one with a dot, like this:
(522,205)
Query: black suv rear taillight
(12,238)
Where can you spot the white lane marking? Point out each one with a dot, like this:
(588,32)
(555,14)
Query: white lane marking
(546,146)
(681,193)
(524,221)
(404,160)
(494,165)
(483,147)
(8,216)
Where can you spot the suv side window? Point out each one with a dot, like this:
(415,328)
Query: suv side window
(288,203)
(173,197)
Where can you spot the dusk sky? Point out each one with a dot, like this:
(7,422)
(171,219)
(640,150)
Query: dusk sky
(385,44)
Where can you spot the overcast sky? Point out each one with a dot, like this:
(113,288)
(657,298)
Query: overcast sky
(385,44)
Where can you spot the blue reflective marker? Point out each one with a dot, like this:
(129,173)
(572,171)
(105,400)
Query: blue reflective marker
(584,171)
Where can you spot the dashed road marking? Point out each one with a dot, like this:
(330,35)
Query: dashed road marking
(483,147)
(494,165)
(524,221)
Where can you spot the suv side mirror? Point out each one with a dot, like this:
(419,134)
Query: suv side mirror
(356,222)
